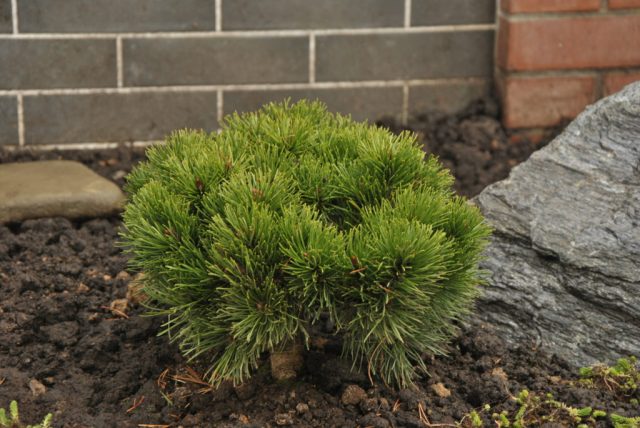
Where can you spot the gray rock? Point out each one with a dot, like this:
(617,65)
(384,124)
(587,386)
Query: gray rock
(55,188)
(564,263)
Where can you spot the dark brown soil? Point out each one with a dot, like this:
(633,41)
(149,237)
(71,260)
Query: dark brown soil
(62,350)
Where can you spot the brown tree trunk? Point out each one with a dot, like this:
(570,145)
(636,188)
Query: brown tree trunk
(287,363)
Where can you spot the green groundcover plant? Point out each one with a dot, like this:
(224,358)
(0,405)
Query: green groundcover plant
(248,236)
(12,420)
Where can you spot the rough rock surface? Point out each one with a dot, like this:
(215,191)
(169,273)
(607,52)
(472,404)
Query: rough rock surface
(55,188)
(565,259)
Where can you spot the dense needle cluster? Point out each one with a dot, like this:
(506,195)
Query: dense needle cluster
(248,236)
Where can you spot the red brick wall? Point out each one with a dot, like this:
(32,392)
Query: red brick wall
(554,57)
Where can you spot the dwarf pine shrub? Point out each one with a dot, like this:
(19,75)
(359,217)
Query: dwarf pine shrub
(247,236)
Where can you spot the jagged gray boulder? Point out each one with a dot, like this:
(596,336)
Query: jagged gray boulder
(564,264)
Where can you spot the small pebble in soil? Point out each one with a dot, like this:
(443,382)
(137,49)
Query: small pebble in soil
(369,405)
(353,395)
(302,408)
(500,374)
(82,288)
(118,175)
(119,305)
(283,419)
(123,276)
(384,404)
(36,387)
(441,390)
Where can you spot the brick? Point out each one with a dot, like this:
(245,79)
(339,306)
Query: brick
(8,120)
(404,56)
(46,64)
(530,102)
(215,60)
(57,119)
(361,103)
(302,14)
(445,97)
(97,16)
(452,12)
(624,4)
(6,25)
(569,43)
(613,82)
(534,6)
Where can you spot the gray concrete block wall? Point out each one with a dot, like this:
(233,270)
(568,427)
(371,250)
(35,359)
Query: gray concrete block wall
(215,60)
(5,16)
(92,73)
(57,63)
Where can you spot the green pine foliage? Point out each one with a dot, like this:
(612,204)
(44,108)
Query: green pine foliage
(247,236)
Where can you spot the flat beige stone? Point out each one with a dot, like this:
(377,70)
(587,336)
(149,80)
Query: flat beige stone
(55,188)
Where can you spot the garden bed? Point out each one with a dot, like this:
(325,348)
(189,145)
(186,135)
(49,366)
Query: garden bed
(65,350)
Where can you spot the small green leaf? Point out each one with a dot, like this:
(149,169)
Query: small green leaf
(586,371)
(4,421)
(504,421)
(13,410)
(522,396)
(476,421)
(598,414)
(625,422)
(521,412)
(584,412)
(46,423)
